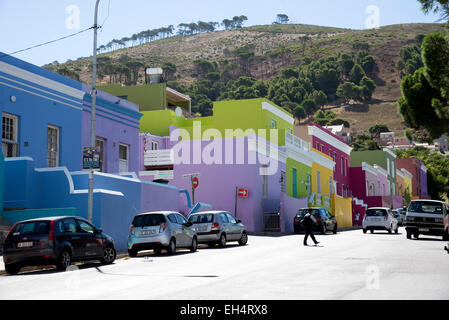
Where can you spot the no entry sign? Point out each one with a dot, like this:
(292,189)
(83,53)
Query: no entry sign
(195,182)
(242,192)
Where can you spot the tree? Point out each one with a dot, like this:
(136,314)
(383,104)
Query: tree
(356,74)
(309,106)
(377,129)
(364,142)
(281,19)
(349,91)
(437,6)
(368,86)
(299,112)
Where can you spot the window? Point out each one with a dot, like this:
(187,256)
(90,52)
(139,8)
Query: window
(346,167)
(172,218)
(264,182)
(9,135)
(181,219)
(222,218)
(101,143)
(149,220)
(318,181)
(330,185)
(85,227)
(52,146)
(154,145)
(283,181)
(123,153)
(231,218)
(342,166)
(70,226)
(274,124)
(388,166)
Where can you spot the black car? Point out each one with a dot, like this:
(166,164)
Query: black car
(55,241)
(325,220)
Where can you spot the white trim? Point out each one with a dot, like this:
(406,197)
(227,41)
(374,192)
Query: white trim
(381,170)
(110,175)
(400,173)
(301,157)
(115,193)
(66,172)
(39,80)
(267,106)
(39,95)
(19,159)
(329,138)
(322,160)
(406,173)
(369,168)
(391,153)
(424,168)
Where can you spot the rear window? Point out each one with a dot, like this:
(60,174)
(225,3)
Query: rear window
(29,228)
(201,218)
(426,207)
(302,212)
(376,212)
(148,220)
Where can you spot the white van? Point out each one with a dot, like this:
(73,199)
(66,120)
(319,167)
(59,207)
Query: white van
(426,217)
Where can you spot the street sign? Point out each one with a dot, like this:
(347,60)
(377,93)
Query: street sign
(242,192)
(91,158)
(195,182)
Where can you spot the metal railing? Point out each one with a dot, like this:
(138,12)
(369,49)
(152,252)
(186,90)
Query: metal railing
(158,157)
(296,143)
(272,222)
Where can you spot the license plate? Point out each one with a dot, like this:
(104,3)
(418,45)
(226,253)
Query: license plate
(147,232)
(424,229)
(24,244)
(203,228)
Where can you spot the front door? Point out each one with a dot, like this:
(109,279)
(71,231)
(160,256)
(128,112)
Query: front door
(295,186)
(92,244)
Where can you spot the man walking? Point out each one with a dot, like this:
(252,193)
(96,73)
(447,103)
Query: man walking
(308,221)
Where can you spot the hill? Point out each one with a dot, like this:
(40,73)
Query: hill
(261,52)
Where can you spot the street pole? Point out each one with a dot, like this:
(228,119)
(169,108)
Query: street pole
(92,130)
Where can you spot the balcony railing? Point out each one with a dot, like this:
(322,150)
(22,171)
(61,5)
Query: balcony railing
(158,158)
(296,143)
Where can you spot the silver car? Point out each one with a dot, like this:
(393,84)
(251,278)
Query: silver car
(218,227)
(161,230)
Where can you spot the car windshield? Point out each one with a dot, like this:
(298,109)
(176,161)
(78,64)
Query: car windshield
(33,227)
(149,220)
(426,207)
(201,218)
(376,212)
(316,212)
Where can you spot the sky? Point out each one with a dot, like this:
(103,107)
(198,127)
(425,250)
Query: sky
(26,23)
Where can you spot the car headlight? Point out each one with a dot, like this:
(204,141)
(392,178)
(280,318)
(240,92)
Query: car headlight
(439,220)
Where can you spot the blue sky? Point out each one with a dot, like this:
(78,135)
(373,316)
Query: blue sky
(25,23)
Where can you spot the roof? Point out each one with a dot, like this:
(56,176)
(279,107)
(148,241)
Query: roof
(156,212)
(209,212)
(50,218)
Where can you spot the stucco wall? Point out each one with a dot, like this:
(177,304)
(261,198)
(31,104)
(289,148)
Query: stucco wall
(289,208)
(342,210)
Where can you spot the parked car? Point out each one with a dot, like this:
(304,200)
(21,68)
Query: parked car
(55,241)
(218,227)
(380,219)
(160,230)
(325,220)
(400,216)
(426,217)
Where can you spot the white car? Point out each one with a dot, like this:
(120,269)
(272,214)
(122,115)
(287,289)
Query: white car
(380,219)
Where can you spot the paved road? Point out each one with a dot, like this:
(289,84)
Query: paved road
(349,265)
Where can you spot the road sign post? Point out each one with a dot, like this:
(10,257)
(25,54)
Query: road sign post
(194,181)
(239,192)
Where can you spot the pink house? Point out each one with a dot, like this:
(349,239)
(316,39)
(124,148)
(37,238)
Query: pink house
(328,143)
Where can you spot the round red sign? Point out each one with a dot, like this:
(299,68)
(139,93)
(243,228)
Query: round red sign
(195,182)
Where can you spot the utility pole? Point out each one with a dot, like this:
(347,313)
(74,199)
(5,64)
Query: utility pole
(92,130)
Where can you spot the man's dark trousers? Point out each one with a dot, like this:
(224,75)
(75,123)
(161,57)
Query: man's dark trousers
(309,232)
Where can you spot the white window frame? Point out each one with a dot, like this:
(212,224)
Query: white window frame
(122,161)
(154,145)
(56,164)
(15,131)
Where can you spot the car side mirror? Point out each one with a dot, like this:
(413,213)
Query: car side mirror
(187,224)
(98,231)
(239,221)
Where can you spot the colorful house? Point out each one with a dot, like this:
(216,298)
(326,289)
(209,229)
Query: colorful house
(408,177)
(419,172)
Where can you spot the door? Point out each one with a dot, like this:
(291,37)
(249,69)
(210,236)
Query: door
(186,233)
(101,143)
(223,221)
(295,186)
(69,232)
(123,158)
(235,228)
(92,243)
(176,229)
(52,146)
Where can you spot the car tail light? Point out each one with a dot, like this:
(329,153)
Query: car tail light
(296,219)
(162,227)
(215,225)
(131,229)
(386,218)
(319,219)
(51,233)
(11,229)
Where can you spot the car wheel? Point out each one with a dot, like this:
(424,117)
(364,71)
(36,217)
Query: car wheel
(364,230)
(416,235)
(243,239)
(109,255)
(12,269)
(64,260)
(157,251)
(222,241)
(194,245)
(390,229)
(409,235)
(335,229)
(171,249)
(396,230)
(132,253)
(372,231)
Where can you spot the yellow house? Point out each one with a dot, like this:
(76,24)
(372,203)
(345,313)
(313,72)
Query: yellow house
(322,180)
(407,181)
(400,182)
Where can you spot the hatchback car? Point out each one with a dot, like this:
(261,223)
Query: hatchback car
(400,216)
(161,230)
(55,241)
(325,220)
(380,219)
(218,227)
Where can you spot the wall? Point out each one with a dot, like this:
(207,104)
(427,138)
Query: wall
(325,174)
(413,166)
(342,210)
(42,98)
(289,209)
(2,166)
(302,173)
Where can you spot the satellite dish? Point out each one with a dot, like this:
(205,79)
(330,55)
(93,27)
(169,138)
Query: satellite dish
(178,112)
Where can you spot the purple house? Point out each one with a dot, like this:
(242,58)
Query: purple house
(116,131)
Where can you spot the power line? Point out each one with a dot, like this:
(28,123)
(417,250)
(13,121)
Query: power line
(48,42)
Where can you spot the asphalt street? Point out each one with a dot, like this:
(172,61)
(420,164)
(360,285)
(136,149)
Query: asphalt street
(348,265)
